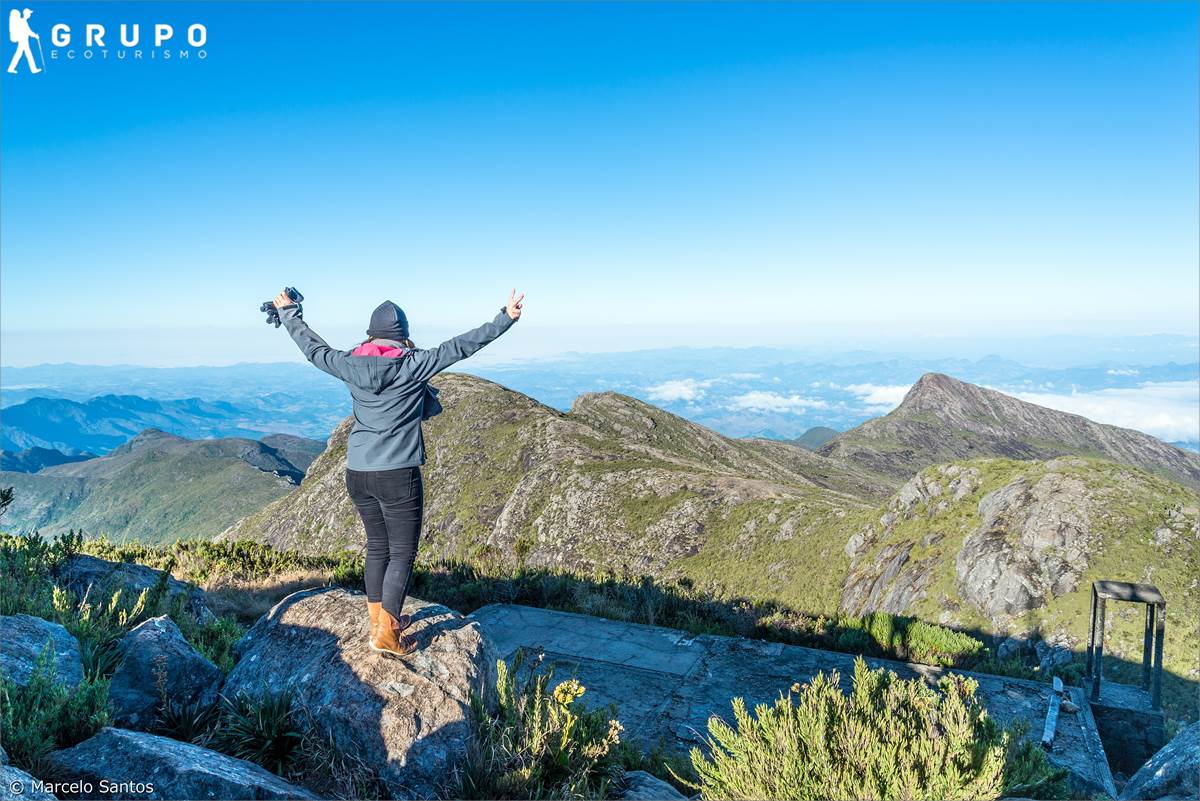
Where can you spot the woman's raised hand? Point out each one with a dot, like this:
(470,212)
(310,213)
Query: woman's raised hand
(282,299)
(515,304)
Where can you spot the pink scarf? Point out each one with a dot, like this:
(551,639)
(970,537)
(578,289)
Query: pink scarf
(375,349)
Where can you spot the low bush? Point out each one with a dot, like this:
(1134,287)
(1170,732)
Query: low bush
(539,743)
(214,639)
(887,739)
(45,714)
(27,562)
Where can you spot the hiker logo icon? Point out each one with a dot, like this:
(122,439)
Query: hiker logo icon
(19,33)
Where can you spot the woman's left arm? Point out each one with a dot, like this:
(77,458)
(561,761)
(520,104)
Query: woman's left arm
(425,364)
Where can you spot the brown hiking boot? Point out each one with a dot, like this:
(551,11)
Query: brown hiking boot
(388,638)
(373,612)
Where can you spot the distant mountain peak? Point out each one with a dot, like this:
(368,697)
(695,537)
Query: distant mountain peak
(936,387)
(942,419)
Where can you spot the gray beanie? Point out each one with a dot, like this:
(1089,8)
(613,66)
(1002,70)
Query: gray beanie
(388,322)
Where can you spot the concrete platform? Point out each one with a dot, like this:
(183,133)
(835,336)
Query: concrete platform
(667,683)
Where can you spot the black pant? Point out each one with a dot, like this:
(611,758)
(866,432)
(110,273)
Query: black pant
(390,503)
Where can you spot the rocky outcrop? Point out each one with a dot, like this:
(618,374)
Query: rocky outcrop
(641,786)
(889,580)
(17,785)
(83,574)
(24,638)
(1032,544)
(1174,772)
(145,766)
(942,420)
(410,718)
(159,667)
(1009,548)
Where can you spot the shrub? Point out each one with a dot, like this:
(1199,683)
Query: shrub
(214,639)
(100,626)
(1027,772)
(888,738)
(26,562)
(539,743)
(189,722)
(45,714)
(263,730)
(937,645)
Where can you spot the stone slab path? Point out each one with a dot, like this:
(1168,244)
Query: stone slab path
(667,683)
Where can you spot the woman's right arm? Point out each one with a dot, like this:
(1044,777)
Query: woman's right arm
(425,364)
(314,348)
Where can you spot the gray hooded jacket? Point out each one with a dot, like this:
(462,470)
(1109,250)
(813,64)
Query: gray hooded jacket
(390,395)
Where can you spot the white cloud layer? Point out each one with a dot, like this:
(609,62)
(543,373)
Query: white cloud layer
(682,389)
(879,399)
(1169,410)
(759,401)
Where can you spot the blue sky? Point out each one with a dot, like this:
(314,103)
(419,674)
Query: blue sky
(650,174)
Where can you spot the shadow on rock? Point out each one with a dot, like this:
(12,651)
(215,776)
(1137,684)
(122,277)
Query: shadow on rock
(407,718)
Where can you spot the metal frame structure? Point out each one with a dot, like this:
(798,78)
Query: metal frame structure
(1152,640)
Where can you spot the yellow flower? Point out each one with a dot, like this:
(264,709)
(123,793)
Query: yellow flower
(568,691)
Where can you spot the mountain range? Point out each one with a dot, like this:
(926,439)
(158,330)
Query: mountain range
(34,459)
(99,424)
(102,423)
(962,506)
(1006,515)
(159,487)
(1146,383)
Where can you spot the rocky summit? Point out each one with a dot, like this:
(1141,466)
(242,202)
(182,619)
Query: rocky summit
(1009,546)
(942,420)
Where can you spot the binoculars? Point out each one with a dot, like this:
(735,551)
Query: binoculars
(273,313)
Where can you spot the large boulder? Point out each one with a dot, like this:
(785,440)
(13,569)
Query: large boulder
(24,637)
(1174,772)
(159,665)
(17,785)
(1033,544)
(408,716)
(147,766)
(641,786)
(82,573)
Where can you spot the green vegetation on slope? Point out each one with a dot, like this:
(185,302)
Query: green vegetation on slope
(788,550)
(888,739)
(196,490)
(1125,512)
